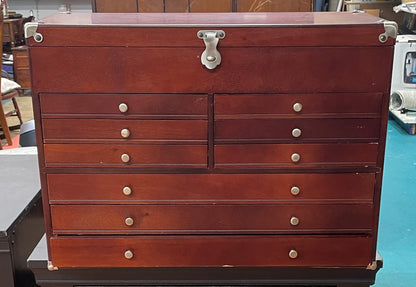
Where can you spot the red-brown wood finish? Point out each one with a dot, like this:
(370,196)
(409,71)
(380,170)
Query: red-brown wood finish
(139,105)
(143,155)
(311,155)
(211,167)
(327,105)
(208,251)
(78,130)
(209,219)
(275,130)
(139,72)
(210,188)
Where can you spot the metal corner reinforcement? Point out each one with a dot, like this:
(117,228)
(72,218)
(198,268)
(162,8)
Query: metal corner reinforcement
(31,31)
(390,28)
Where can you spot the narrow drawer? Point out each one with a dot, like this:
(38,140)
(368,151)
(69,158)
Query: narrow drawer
(129,130)
(212,219)
(107,155)
(214,188)
(154,105)
(211,251)
(324,105)
(268,130)
(295,155)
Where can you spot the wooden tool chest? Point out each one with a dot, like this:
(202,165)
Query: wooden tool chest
(211,140)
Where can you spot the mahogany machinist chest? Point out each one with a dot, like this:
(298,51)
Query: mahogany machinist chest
(211,140)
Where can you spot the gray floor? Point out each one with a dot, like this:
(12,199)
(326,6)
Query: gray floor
(397,227)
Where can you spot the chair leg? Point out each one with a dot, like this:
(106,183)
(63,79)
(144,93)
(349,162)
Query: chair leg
(4,126)
(16,108)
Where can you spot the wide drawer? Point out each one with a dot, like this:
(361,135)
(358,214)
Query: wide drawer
(129,130)
(324,105)
(211,219)
(268,130)
(145,105)
(295,155)
(118,155)
(205,251)
(202,188)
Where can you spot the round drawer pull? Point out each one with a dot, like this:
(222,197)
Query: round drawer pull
(126,190)
(129,221)
(123,107)
(296,133)
(295,190)
(125,133)
(128,254)
(294,221)
(293,254)
(295,157)
(297,107)
(125,158)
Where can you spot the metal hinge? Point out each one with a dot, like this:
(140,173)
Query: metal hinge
(390,28)
(30,31)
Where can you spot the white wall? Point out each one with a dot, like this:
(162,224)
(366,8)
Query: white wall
(44,8)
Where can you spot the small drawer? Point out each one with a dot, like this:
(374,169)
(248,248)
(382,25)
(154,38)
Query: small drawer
(269,130)
(126,156)
(116,105)
(212,219)
(71,130)
(324,105)
(209,188)
(211,251)
(295,155)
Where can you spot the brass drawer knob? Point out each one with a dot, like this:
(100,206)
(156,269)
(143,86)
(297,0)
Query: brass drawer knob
(125,133)
(295,157)
(297,107)
(294,221)
(129,221)
(127,190)
(295,190)
(123,108)
(293,254)
(128,254)
(125,158)
(296,133)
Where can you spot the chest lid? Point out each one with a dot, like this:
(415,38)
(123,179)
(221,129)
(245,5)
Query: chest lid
(298,29)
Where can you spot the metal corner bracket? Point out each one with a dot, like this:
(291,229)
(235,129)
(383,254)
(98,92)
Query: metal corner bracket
(390,29)
(372,265)
(51,267)
(30,31)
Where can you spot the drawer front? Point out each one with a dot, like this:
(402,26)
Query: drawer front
(137,105)
(128,130)
(295,155)
(322,105)
(151,69)
(211,251)
(202,188)
(296,129)
(205,219)
(106,155)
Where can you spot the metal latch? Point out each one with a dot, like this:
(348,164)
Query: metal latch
(211,58)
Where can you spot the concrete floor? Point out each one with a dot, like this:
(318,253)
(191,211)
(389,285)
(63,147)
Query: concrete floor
(397,227)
